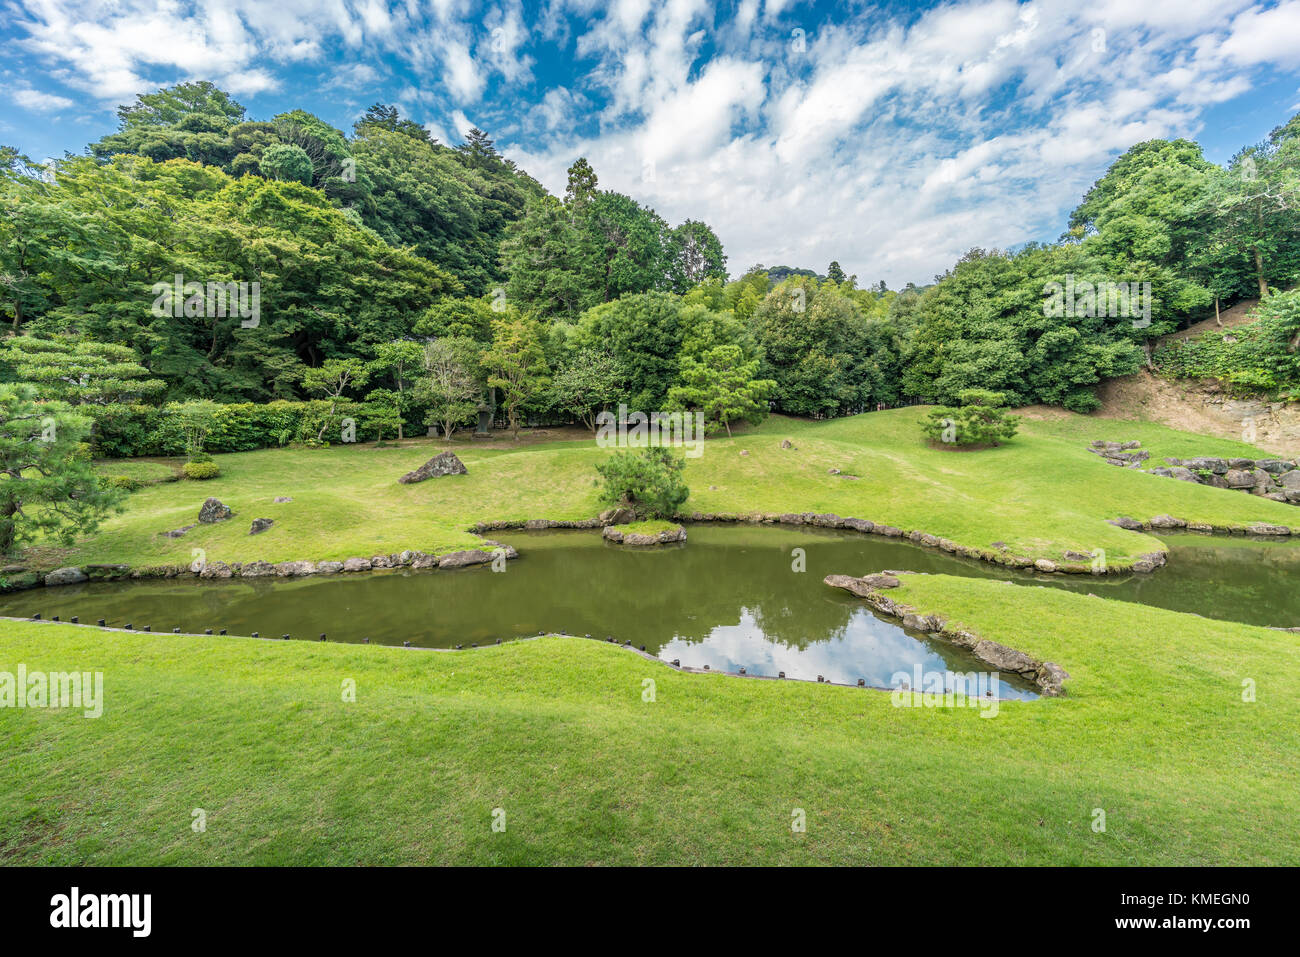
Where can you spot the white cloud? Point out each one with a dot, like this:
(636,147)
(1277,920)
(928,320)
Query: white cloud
(889,143)
(39,102)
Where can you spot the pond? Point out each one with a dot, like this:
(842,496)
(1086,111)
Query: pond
(729,598)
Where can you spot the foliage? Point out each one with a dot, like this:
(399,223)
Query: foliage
(48,487)
(450,387)
(586,384)
(1261,357)
(723,387)
(649,481)
(516,364)
(978,421)
(78,371)
(201,470)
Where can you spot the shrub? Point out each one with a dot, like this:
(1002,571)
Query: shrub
(123,482)
(201,470)
(649,482)
(977,422)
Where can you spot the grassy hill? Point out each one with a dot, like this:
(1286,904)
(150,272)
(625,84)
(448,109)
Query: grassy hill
(555,732)
(1041,494)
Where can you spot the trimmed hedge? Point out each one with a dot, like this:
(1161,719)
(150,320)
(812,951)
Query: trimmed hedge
(201,470)
(126,431)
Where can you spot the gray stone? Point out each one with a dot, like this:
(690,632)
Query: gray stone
(260,525)
(618,516)
(444,463)
(177,532)
(1239,478)
(473,556)
(257,569)
(1265,529)
(1045,565)
(1051,678)
(787,444)
(213,511)
(1290,479)
(71,575)
(1004,658)
(859,524)
(281,499)
(1207,464)
(1183,474)
(1132,524)
(1276,466)
(216,570)
(1167,521)
(357,565)
(328,568)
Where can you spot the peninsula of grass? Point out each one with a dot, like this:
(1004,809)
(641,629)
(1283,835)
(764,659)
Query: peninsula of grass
(1153,732)
(650,526)
(1041,494)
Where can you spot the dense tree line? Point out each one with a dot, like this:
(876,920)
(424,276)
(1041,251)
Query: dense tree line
(403,283)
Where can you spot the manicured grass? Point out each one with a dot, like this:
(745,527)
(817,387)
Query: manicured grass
(1041,494)
(555,731)
(649,527)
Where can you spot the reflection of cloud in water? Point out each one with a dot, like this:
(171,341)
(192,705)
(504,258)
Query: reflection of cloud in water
(866,647)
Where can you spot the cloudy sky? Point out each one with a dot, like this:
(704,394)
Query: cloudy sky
(891,137)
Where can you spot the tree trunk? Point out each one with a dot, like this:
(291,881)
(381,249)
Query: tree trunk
(7,534)
(1259,272)
(1217,320)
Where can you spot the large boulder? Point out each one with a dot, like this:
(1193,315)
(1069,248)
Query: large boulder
(260,525)
(1239,478)
(444,463)
(1208,464)
(66,576)
(1290,479)
(617,516)
(213,511)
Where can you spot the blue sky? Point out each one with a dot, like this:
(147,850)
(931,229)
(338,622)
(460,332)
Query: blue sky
(891,137)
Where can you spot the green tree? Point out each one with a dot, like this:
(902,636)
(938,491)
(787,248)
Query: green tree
(723,387)
(450,386)
(332,380)
(400,360)
(586,385)
(79,371)
(978,420)
(285,161)
(196,420)
(380,414)
(48,486)
(644,333)
(693,254)
(582,184)
(516,364)
(649,481)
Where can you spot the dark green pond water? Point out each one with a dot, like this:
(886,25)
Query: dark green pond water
(729,598)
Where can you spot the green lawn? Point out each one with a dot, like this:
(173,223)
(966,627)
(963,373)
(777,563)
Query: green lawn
(1041,494)
(554,731)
